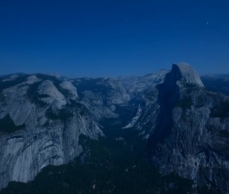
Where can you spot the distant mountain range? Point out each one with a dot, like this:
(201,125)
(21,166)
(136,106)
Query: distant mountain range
(166,132)
(217,83)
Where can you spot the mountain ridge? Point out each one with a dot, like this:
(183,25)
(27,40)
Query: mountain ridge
(48,114)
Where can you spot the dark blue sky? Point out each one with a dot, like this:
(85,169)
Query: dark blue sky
(113,37)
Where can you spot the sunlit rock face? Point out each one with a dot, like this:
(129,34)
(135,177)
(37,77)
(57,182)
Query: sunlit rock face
(138,85)
(54,97)
(102,96)
(39,126)
(67,85)
(185,73)
(26,152)
(32,79)
(118,95)
(16,105)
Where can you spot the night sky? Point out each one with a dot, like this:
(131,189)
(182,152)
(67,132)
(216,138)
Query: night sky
(113,37)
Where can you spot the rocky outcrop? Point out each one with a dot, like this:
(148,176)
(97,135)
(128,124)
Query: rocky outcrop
(157,100)
(32,79)
(117,93)
(186,127)
(67,85)
(102,96)
(138,85)
(39,126)
(26,152)
(15,104)
(184,72)
(191,134)
(11,78)
(54,97)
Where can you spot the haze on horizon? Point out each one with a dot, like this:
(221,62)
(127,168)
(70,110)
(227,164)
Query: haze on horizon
(113,38)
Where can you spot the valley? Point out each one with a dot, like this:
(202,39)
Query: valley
(166,132)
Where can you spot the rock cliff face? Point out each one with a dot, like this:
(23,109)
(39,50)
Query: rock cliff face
(187,128)
(40,126)
(52,95)
(191,131)
(67,85)
(186,125)
(42,117)
(138,85)
(183,72)
(102,96)
(157,100)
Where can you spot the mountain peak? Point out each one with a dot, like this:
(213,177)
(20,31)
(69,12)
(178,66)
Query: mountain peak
(184,72)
